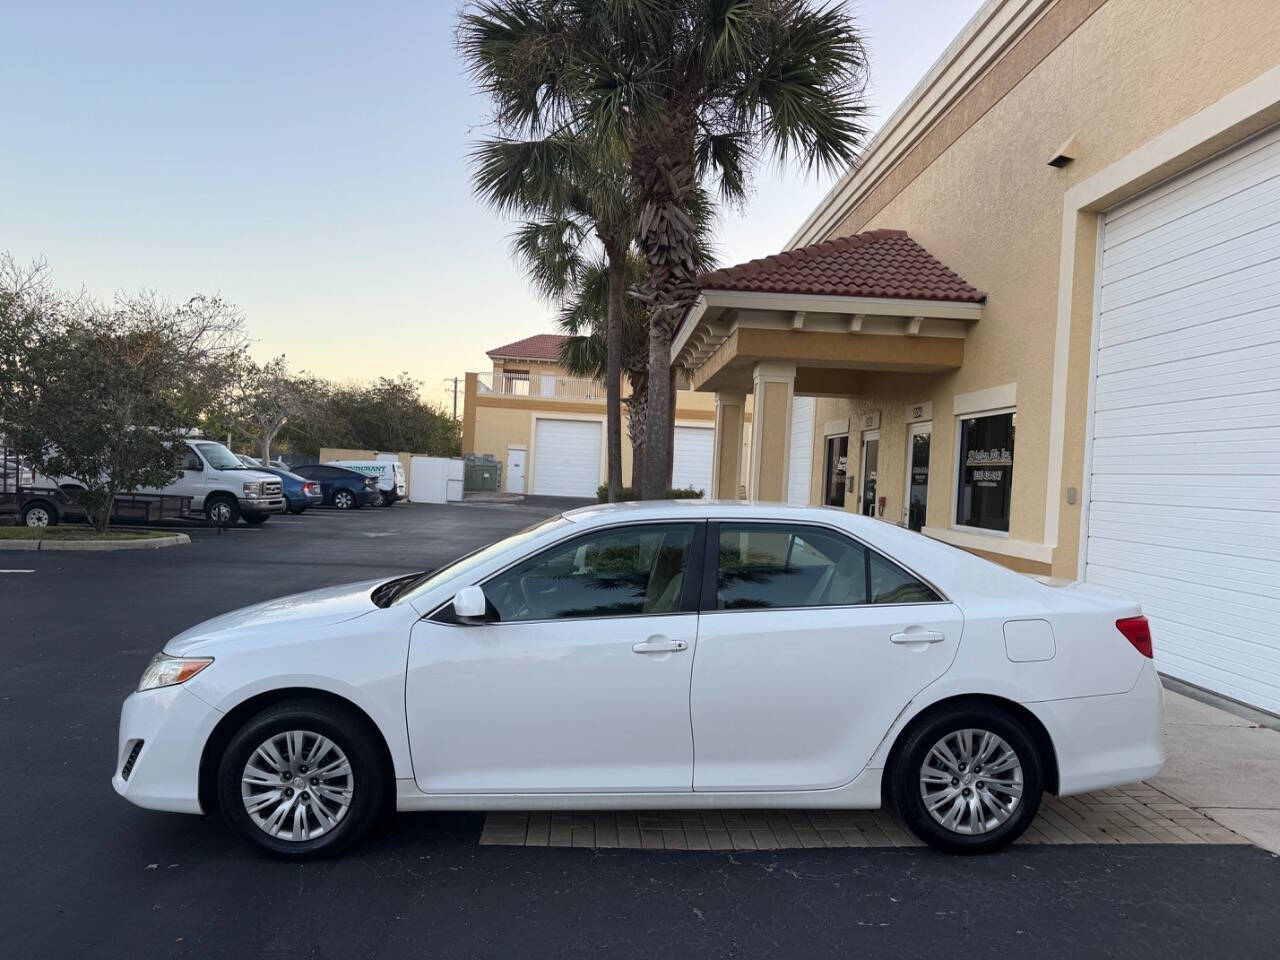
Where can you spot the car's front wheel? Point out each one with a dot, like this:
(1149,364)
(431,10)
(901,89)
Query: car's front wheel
(302,780)
(968,780)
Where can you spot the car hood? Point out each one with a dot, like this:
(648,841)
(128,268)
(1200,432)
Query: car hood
(315,607)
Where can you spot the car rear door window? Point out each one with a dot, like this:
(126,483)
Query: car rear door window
(772,566)
(623,571)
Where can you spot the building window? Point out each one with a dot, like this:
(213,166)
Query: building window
(986,471)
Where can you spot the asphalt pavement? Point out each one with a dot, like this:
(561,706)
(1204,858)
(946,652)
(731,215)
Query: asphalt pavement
(87,874)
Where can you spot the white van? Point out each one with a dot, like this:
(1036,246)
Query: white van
(389,473)
(221,486)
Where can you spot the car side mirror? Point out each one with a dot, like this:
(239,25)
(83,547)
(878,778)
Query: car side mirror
(470,605)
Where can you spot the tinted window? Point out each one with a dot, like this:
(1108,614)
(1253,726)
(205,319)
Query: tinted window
(891,584)
(625,571)
(192,461)
(986,471)
(768,565)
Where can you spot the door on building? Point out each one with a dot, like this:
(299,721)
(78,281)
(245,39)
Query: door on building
(515,469)
(567,457)
(800,459)
(833,473)
(691,458)
(1183,502)
(919,436)
(870,460)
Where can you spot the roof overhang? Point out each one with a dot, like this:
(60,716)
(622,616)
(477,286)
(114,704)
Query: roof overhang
(726,333)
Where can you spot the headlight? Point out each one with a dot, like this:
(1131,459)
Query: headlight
(252,488)
(165,671)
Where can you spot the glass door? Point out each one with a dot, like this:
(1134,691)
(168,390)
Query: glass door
(834,471)
(919,436)
(870,460)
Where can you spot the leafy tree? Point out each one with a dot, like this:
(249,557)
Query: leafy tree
(104,395)
(690,91)
(263,398)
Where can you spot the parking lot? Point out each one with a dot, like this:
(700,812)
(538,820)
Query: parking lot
(88,874)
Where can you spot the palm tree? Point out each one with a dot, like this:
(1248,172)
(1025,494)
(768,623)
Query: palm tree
(584,352)
(689,91)
(575,198)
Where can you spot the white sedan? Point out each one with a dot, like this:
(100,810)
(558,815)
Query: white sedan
(682,655)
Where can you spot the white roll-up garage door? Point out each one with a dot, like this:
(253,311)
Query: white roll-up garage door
(800,459)
(567,458)
(691,458)
(1184,463)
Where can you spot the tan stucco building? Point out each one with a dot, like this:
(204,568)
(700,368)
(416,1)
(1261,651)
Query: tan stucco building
(548,427)
(1069,231)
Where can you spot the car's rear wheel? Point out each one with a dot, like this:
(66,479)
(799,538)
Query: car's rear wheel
(345,500)
(302,780)
(968,780)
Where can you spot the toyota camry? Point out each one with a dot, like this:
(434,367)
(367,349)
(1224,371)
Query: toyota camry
(670,655)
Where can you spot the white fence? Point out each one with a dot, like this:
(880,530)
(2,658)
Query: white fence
(540,385)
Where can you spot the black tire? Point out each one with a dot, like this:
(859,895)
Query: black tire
(222,510)
(383,499)
(39,513)
(255,519)
(345,500)
(905,790)
(350,733)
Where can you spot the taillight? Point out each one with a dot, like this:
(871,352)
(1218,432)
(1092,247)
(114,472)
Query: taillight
(1138,632)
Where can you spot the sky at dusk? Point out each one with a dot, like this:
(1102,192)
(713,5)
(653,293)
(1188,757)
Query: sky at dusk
(308,161)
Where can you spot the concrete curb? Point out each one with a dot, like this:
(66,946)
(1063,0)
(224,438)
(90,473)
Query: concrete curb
(149,543)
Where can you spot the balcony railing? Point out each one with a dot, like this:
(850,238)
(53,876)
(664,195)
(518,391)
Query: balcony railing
(546,385)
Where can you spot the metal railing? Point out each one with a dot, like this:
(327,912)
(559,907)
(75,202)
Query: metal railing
(545,385)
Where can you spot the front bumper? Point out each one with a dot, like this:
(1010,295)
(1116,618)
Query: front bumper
(262,504)
(173,725)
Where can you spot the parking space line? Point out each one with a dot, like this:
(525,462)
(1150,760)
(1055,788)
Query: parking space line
(17,571)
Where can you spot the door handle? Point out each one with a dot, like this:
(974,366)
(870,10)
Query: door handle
(660,645)
(919,636)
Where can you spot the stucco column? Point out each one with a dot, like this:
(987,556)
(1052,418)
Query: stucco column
(774,385)
(726,454)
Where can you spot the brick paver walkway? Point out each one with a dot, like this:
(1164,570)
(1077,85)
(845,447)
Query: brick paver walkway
(1135,814)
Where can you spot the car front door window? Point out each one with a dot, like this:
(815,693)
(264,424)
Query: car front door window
(620,572)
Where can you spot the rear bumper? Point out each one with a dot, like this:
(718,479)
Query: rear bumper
(173,725)
(369,497)
(1110,740)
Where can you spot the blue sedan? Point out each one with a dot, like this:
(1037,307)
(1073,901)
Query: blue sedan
(299,492)
(343,488)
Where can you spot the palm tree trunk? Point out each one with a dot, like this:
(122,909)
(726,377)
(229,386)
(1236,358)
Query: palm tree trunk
(613,368)
(667,236)
(637,417)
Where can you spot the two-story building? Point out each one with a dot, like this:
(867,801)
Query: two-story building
(548,428)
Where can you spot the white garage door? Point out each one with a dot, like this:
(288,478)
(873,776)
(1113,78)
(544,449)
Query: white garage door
(567,458)
(800,461)
(1184,498)
(691,458)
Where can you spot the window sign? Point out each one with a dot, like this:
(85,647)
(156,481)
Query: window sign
(986,471)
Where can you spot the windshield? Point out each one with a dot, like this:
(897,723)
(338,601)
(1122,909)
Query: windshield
(218,456)
(409,587)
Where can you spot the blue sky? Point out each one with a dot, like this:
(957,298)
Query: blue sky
(308,162)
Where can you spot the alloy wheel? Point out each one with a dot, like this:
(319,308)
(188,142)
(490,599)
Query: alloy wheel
(343,500)
(971,781)
(220,512)
(297,785)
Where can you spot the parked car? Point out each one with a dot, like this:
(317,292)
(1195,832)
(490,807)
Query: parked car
(389,474)
(342,488)
(299,492)
(841,662)
(219,485)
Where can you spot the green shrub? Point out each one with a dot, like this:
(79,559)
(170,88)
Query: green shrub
(629,493)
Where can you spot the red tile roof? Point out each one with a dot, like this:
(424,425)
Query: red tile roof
(541,346)
(879,263)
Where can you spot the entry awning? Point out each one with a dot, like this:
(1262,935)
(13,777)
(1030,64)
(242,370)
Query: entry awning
(871,301)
